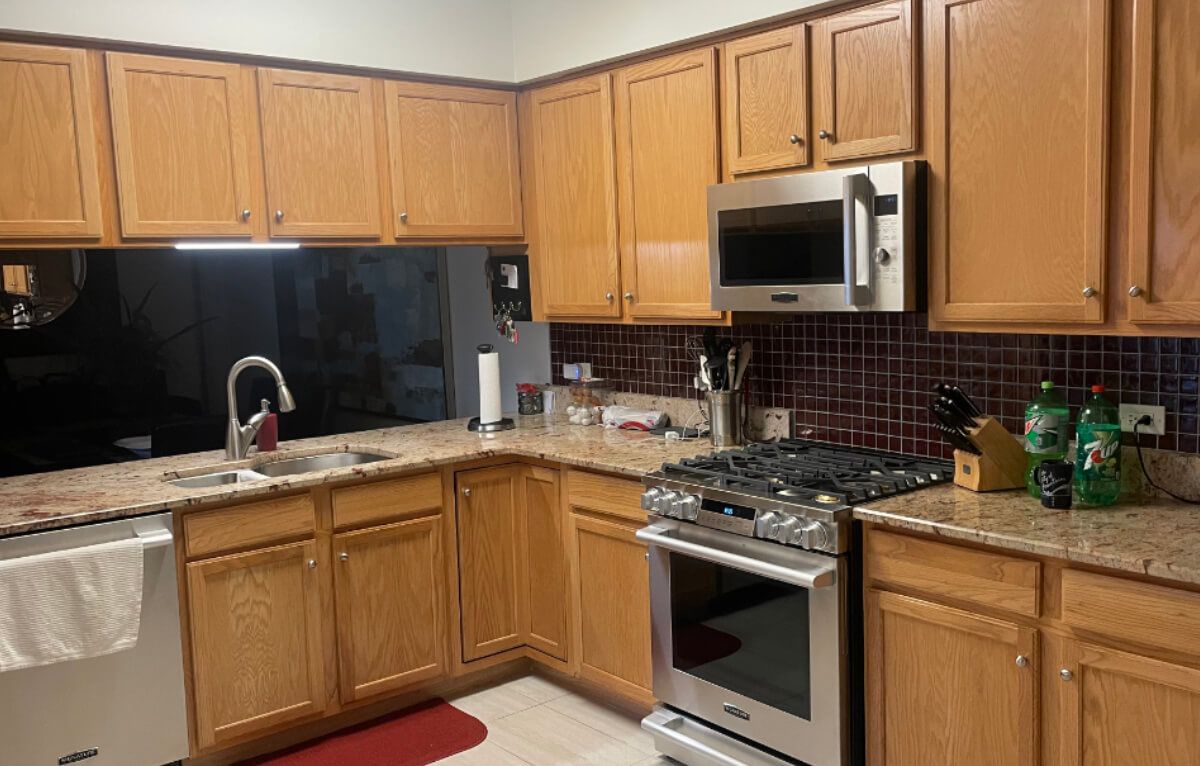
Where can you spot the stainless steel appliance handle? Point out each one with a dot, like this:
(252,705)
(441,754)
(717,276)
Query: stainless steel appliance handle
(810,577)
(157,538)
(854,191)
(690,744)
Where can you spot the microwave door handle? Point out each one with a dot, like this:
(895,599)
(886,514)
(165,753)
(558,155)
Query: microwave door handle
(809,577)
(854,192)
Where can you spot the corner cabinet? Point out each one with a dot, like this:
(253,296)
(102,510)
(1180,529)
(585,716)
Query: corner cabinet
(49,175)
(1164,231)
(453,159)
(1017,132)
(667,155)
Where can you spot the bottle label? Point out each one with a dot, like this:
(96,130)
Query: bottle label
(1043,433)
(1099,450)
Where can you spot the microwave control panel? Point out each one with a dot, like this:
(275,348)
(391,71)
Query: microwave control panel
(887,252)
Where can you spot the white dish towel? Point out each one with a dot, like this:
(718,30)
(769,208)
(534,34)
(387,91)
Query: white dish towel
(70,604)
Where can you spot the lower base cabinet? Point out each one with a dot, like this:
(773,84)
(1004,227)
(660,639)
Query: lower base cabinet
(257,652)
(390,594)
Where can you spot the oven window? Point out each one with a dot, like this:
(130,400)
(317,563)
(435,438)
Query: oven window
(798,244)
(742,632)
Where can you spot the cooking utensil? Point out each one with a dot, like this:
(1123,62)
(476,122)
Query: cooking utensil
(965,418)
(955,439)
(744,355)
(965,401)
(704,378)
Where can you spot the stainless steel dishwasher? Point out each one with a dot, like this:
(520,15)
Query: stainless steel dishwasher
(122,709)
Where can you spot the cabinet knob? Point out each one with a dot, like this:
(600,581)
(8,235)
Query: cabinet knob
(823,135)
(1022,660)
(1065,674)
(466,491)
(312,563)
(404,218)
(629,297)
(245,214)
(608,297)
(1135,291)
(278,216)
(795,139)
(343,556)
(1089,291)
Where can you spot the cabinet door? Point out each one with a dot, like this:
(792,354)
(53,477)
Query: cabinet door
(487,561)
(766,100)
(1017,143)
(319,154)
(576,249)
(182,131)
(863,64)
(391,602)
(257,655)
(667,148)
(947,687)
(454,161)
(1121,709)
(1164,246)
(544,566)
(49,180)
(613,581)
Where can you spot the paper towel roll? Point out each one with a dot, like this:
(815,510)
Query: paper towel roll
(489,385)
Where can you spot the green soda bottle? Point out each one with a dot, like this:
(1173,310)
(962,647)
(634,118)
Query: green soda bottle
(1046,420)
(1098,451)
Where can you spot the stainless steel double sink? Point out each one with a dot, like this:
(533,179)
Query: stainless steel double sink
(276,468)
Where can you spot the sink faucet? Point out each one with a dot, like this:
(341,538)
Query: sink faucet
(239,437)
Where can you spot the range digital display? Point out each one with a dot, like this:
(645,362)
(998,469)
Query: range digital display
(728,509)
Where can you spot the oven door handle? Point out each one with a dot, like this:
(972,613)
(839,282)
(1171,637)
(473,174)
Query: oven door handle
(805,576)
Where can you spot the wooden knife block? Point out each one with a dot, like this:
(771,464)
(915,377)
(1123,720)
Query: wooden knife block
(1002,464)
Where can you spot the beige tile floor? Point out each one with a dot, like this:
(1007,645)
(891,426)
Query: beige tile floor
(533,721)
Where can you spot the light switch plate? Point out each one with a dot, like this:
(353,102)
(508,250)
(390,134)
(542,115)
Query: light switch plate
(1131,412)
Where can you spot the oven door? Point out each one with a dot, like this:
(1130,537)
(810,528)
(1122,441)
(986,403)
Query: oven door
(748,636)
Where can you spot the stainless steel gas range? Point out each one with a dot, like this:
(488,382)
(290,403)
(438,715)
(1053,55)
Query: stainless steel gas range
(754,599)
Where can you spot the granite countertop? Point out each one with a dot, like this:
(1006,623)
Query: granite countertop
(1150,536)
(84,495)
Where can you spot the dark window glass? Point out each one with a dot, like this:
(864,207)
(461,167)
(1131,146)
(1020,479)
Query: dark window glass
(798,244)
(742,632)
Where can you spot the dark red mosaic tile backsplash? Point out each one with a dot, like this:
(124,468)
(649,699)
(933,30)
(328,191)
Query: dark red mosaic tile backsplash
(865,379)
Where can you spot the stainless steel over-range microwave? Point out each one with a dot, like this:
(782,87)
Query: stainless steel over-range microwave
(850,239)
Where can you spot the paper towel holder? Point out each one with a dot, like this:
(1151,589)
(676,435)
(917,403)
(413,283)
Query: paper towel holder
(503,424)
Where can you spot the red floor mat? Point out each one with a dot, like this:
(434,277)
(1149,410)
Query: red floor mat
(414,736)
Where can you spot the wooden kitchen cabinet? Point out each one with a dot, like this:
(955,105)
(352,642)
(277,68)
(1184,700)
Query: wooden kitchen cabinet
(574,246)
(489,587)
(765,104)
(543,576)
(256,640)
(948,687)
(1164,230)
(453,156)
(319,154)
(667,155)
(1017,137)
(390,589)
(185,137)
(864,82)
(613,592)
(49,174)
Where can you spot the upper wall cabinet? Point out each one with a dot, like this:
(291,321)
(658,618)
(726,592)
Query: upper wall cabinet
(1017,145)
(318,135)
(864,83)
(667,149)
(1164,248)
(183,133)
(570,134)
(454,162)
(49,178)
(766,101)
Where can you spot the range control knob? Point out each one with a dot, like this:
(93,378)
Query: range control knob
(765,524)
(812,534)
(688,507)
(785,529)
(665,504)
(648,498)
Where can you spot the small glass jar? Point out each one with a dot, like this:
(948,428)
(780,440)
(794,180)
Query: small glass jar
(530,403)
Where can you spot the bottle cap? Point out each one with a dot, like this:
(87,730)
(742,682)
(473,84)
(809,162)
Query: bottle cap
(1097,389)
(1047,385)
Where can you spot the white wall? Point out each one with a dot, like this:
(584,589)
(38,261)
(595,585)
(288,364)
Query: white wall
(552,36)
(471,324)
(462,38)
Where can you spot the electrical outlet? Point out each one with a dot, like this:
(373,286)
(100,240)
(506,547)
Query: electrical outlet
(1131,412)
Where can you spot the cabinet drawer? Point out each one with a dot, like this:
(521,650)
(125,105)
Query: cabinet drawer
(987,579)
(386,500)
(246,526)
(605,494)
(1152,615)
